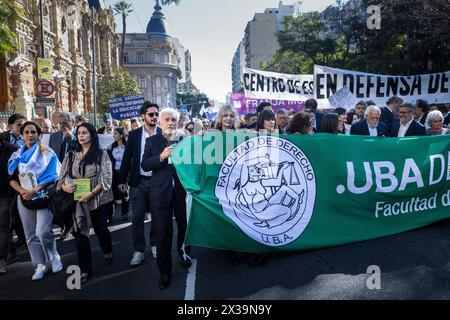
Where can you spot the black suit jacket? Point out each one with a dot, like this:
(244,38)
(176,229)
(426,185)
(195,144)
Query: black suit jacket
(447,118)
(131,162)
(415,129)
(362,128)
(55,143)
(388,118)
(164,174)
(423,119)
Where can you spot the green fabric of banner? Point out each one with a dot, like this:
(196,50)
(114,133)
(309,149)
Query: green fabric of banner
(265,193)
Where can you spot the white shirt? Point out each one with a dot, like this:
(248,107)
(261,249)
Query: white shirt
(145,135)
(373,132)
(117,153)
(404,128)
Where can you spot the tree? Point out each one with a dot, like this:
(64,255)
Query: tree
(9,14)
(124,9)
(120,83)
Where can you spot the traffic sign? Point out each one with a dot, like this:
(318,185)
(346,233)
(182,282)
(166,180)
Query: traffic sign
(44,88)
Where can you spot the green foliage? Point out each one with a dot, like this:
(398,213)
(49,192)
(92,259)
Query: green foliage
(414,38)
(9,14)
(120,83)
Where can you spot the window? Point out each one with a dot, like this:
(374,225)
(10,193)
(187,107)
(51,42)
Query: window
(166,58)
(125,57)
(142,82)
(157,58)
(140,56)
(166,84)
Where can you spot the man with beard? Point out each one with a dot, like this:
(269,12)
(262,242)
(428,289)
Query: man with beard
(168,196)
(139,180)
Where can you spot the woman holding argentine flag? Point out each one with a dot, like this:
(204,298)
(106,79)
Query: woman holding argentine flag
(33,168)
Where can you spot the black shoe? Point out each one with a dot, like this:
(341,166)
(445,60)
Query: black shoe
(108,259)
(164,282)
(20,242)
(186,263)
(12,257)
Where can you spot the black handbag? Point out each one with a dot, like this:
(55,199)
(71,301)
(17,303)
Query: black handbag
(42,202)
(62,204)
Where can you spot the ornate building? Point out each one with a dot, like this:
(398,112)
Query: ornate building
(152,59)
(68,43)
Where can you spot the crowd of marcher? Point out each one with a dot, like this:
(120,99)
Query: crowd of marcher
(134,175)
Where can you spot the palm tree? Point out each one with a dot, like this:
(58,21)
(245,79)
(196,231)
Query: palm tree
(123,8)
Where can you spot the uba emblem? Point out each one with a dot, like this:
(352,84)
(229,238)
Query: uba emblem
(267,186)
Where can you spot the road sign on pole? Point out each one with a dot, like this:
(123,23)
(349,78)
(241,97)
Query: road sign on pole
(44,88)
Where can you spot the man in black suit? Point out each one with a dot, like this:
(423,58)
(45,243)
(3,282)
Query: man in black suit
(139,180)
(407,126)
(370,124)
(389,113)
(168,196)
(64,140)
(421,112)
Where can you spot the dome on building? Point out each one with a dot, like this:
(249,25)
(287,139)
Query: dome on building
(157,26)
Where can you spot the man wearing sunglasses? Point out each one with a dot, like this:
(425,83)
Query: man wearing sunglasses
(139,180)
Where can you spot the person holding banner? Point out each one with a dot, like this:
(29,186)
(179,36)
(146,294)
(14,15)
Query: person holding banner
(311,106)
(266,122)
(435,120)
(330,123)
(168,197)
(301,123)
(407,126)
(227,119)
(370,125)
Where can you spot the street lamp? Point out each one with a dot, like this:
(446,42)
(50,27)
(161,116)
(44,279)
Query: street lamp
(19,64)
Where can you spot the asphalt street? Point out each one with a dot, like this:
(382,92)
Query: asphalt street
(414,265)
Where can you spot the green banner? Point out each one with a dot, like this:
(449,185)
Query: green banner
(263,193)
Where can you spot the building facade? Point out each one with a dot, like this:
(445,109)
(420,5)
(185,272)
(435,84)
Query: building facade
(260,41)
(68,44)
(152,59)
(236,67)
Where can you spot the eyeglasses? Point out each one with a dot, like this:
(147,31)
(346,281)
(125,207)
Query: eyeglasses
(153,114)
(169,119)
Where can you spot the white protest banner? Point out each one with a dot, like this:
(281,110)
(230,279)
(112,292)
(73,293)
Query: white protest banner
(367,86)
(343,98)
(270,85)
(105,140)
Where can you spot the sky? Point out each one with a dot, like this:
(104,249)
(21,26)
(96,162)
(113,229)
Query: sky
(211,30)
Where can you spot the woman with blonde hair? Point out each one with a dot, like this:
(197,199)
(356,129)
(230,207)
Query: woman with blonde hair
(227,119)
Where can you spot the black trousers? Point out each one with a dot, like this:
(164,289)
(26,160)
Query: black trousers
(164,232)
(6,245)
(99,223)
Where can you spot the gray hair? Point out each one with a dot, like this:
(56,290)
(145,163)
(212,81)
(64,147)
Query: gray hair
(171,111)
(283,111)
(435,114)
(68,116)
(48,122)
(372,108)
(394,99)
(408,105)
